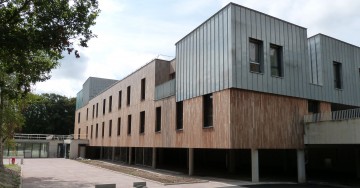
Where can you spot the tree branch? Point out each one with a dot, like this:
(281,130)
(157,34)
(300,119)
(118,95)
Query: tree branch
(26,3)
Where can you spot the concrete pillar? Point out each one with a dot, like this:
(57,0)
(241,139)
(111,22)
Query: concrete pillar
(154,157)
(231,161)
(254,165)
(301,166)
(65,151)
(101,152)
(113,154)
(130,155)
(191,161)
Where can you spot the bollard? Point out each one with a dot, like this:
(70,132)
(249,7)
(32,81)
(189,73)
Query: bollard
(13,160)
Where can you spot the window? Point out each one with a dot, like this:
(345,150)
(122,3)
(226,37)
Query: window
(104,104)
(158,119)
(313,106)
(79,117)
(128,95)
(91,131)
(103,130)
(255,55)
(208,110)
(97,130)
(276,60)
(142,122)
(119,101)
(118,126)
(172,76)
(110,103)
(179,115)
(337,75)
(93,112)
(87,114)
(79,133)
(97,109)
(143,89)
(87,131)
(129,124)
(110,127)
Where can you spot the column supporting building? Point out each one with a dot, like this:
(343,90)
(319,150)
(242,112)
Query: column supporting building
(101,152)
(232,160)
(113,154)
(254,165)
(301,166)
(191,161)
(153,157)
(130,155)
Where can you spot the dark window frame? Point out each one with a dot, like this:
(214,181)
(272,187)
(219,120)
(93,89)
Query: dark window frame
(87,114)
(119,99)
(87,131)
(129,125)
(337,73)
(179,115)
(79,130)
(128,95)
(93,112)
(104,106)
(103,130)
(158,119)
(208,110)
(110,127)
(278,65)
(256,63)
(110,103)
(142,122)
(97,109)
(97,130)
(143,88)
(78,117)
(119,126)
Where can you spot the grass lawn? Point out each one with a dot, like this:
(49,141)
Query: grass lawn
(10,176)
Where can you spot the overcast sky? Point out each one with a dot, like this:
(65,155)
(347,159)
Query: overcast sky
(132,33)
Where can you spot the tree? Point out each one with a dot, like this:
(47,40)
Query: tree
(49,114)
(33,35)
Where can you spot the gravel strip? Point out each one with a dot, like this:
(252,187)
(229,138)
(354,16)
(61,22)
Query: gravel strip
(147,174)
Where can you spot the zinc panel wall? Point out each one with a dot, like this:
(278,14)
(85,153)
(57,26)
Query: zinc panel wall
(270,30)
(203,58)
(327,51)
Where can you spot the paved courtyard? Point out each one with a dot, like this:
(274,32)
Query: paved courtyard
(39,173)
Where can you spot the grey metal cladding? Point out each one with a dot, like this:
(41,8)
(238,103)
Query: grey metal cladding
(328,51)
(215,56)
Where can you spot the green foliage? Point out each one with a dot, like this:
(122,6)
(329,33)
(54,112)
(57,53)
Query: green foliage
(49,114)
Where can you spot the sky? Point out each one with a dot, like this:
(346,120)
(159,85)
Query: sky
(131,33)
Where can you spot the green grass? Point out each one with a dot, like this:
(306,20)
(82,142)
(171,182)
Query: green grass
(10,176)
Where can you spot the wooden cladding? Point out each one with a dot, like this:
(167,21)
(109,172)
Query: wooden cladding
(260,120)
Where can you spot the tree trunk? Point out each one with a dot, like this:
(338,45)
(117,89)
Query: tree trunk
(1,154)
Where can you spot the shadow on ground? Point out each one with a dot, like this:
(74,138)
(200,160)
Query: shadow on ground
(52,182)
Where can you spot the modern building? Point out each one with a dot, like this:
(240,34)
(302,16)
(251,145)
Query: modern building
(243,95)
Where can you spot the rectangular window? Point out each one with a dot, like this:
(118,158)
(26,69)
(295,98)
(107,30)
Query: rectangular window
(313,106)
(110,127)
(118,126)
(119,101)
(337,75)
(97,109)
(87,131)
(179,115)
(110,103)
(142,122)
(97,131)
(79,133)
(93,112)
(129,124)
(143,89)
(104,104)
(208,110)
(128,95)
(158,119)
(255,55)
(91,131)
(276,60)
(103,130)
(87,114)
(79,117)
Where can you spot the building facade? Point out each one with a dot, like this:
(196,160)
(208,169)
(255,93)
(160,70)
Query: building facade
(234,97)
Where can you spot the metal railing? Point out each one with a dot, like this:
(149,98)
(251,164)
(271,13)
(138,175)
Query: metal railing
(164,90)
(333,116)
(20,136)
